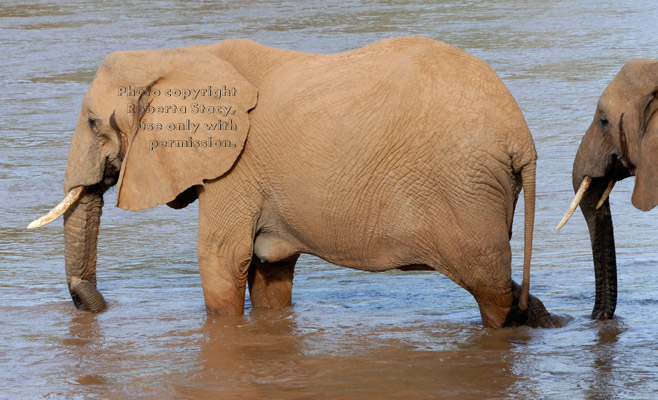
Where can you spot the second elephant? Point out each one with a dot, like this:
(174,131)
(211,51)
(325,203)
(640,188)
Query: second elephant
(621,141)
(407,153)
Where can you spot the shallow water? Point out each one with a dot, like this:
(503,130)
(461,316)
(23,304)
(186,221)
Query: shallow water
(349,334)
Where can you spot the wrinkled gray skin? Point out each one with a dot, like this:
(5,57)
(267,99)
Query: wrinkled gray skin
(356,157)
(621,141)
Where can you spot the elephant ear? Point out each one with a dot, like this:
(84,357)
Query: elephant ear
(645,193)
(189,114)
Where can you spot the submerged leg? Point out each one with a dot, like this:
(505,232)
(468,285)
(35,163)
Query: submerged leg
(223,277)
(495,303)
(270,285)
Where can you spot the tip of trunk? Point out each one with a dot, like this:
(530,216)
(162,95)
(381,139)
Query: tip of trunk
(89,297)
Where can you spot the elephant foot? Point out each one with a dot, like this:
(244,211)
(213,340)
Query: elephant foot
(535,316)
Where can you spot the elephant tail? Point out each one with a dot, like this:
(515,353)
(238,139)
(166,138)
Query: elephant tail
(528,180)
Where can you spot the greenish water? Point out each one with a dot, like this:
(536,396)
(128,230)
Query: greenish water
(349,334)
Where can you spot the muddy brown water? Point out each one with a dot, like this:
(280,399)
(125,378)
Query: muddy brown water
(349,334)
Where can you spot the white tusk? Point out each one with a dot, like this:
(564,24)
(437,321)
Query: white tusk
(69,200)
(576,200)
(605,194)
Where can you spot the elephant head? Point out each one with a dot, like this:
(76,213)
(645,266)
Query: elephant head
(138,129)
(621,141)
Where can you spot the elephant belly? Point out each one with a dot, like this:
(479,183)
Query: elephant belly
(373,254)
(377,256)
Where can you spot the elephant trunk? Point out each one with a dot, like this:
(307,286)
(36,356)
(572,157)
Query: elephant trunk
(599,223)
(81,223)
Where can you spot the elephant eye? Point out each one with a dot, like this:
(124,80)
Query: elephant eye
(93,123)
(604,121)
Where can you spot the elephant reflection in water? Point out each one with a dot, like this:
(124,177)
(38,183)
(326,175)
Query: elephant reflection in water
(282,354)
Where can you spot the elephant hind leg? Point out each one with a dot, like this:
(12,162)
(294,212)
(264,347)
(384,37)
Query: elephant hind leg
(493,292)
(270,284)
(494,304)
(499,308)
(486,274)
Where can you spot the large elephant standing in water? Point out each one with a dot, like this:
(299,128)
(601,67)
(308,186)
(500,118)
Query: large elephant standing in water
(407,153)
(621,141)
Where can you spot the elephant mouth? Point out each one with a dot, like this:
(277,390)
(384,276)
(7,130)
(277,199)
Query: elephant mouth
(616,170)
(619,168)
(110,174)
(108,181)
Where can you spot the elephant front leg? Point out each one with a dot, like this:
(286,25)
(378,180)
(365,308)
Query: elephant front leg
(270,284)
(224,268)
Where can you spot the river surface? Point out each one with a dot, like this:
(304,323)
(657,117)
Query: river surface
(349,334)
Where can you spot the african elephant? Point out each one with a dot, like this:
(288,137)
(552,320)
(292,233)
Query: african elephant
(621,141)
(407,153)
